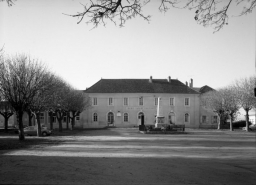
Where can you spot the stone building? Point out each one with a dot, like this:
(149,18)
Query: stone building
(133,102)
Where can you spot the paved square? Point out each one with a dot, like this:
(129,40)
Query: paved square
(125,156)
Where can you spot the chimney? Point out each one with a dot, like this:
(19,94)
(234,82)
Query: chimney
(186,83)
(150,79)
(191,83)
(169,79)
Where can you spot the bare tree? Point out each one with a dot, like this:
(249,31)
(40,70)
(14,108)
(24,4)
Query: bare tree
(214,101)
(208,12)
(6,111)
(21,78)
(58,105)
(245,94)
(42,100)
(9,2)
(230,102)
(76,103)
(30,116)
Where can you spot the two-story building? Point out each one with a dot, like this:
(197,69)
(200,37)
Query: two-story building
(133,102)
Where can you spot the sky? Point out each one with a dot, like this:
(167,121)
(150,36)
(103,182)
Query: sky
(171,44)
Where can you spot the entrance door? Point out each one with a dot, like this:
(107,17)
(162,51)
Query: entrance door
(110,119)
(141,118)
(171,118)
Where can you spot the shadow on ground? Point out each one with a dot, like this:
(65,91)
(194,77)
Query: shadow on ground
(104,170)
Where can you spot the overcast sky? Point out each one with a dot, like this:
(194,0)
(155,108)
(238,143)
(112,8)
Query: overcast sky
(172,44)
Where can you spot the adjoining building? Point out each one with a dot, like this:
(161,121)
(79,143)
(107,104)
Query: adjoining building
(208,119)
(133,102)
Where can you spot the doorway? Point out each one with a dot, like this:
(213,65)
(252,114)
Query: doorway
(110,119)
(171,118)
(141,118)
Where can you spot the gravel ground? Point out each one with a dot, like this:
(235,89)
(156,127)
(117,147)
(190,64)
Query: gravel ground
(125,156)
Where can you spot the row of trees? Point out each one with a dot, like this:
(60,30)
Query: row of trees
(26,85)
(229,100)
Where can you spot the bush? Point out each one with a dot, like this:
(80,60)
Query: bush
(241,123)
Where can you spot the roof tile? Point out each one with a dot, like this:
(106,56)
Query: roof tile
(140,86)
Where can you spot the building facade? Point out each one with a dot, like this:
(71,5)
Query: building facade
(133,102)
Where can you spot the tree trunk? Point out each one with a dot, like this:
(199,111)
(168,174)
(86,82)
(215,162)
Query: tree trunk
(67,122)
(51,120)
(60,125)
(231,122)
(21,130)
(73,122)
(6,124)
(38,125)
(219,121)
(247,120)
(30,116)
(73,119)
(59,116)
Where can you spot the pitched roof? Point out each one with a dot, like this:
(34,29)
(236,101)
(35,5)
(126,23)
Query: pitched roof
(203,89)
(140,86)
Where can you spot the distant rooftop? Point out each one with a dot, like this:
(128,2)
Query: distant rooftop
(203,89)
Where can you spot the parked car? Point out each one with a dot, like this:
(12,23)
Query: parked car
(32,131)
(251,127)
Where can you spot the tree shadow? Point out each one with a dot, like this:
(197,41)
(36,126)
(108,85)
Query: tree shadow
(112,170)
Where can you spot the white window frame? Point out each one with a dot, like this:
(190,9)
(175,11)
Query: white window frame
(141,101)
(173,101)
(95,115)
(94,101)
(156,101)
(127,101)
(185,102)
(125,117)
(213,119)
(186,121)
(204,120)
(110,101)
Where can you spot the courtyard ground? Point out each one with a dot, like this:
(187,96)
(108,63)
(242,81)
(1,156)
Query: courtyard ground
(125,156)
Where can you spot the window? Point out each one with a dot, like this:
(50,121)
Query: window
(186,101)
(125,117)
(156,101)
(95,102)
(215,119)
(78,116)
(140,100)
(53,117)
(95,117)
(186,118)
(110,101)
(126,101)
(203,119)
(41,116)
(172,101)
